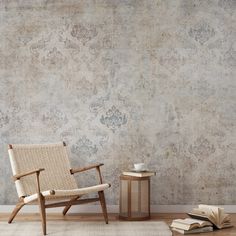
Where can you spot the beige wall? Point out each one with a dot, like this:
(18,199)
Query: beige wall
(124,82)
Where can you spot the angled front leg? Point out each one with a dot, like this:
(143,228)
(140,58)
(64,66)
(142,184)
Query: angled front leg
(66,208)
(17,208)
(103,205)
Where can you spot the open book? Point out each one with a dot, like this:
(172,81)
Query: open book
(214,214)
(189,224)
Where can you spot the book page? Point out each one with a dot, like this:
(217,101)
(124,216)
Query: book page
(190,221)
(199,211)
(223,217)
(211,212)
(226,218)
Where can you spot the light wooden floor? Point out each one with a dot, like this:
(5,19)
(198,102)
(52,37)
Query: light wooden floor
(113,217)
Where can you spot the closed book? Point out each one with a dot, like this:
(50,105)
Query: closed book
(194,231)
(139,174)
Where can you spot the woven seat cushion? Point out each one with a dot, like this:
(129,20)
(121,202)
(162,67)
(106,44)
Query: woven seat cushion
(67,193)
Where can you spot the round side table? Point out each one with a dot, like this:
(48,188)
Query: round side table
(134,198)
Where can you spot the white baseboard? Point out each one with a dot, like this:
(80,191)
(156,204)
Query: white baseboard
(111,209)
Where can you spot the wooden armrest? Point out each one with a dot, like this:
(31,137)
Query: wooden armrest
(77,170)
(18,176)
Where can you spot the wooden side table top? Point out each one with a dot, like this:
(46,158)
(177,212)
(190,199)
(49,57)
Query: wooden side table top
(129,177)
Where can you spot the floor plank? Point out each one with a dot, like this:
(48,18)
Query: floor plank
(113,217)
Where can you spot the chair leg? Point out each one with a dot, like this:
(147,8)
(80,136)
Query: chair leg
(42,209)
(17,208)
(103,205)
(66,208)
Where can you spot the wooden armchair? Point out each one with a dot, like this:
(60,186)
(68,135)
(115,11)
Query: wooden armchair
(49,165)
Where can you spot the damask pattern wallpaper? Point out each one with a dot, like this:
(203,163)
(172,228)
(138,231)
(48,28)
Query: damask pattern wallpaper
(124,81)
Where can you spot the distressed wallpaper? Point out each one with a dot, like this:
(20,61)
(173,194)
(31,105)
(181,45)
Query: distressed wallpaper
(124,81)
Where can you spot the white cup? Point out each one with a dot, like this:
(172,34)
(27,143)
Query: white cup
(139,166)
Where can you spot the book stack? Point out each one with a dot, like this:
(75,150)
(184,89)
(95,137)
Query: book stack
(205,218)
(214,214)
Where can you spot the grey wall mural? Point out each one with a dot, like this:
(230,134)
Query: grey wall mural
(123,82)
